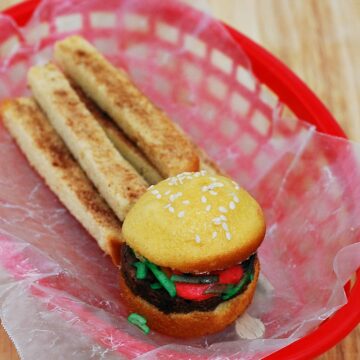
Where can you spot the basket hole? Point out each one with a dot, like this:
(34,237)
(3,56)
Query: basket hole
(18,72)
(194,131)
(268,97)
(229,164)
(43,56)
(192,72)
(137,51)
(9,46)
(164,59)
(184,96)
(136,22)
(195,46)
(260,123)
(213,149)
(67,23)
(216,87)
(167,32)
(245,78)
(278,143)
(229,128)
(138,74)
(162,85)
(247,144)
(107,46)
(37,33)
(239,104)
(262,160)
(221,61)
(208,112)
(291,123)
(102,19)
(287,112)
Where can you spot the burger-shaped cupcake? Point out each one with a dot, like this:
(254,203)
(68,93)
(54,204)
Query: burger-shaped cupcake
(189,265)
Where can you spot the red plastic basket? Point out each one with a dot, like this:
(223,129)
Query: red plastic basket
(296,95)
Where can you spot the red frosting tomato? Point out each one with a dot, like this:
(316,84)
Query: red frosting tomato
(193,292)
(231,275)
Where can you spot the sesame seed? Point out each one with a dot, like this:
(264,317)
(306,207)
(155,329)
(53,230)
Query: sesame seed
(181,214)
(232,205)
(158,196)
(168,192)
(167,206)
(222,209)
(208,208)
(203,199)
(236,199)
(197,239)
(216,221)
(204,188)
(214,234)
(171,209)
(236,185)
(228,236)
(186,202)
(225,226)
(212,192)
(175,196)
(223,217)
(150,187)
(213,178)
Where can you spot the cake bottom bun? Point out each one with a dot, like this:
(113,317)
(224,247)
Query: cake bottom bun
(189,265)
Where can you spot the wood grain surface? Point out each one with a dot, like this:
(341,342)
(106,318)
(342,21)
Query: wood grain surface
(320,41)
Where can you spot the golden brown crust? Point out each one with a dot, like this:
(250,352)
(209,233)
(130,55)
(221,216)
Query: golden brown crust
(50,157)
(113,176)
(145,124)
(193,324)
(126,148)
(179,224)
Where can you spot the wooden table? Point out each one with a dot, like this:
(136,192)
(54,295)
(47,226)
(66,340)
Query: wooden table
(320,41)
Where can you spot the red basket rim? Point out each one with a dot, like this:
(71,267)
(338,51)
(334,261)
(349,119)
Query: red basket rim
(303,102)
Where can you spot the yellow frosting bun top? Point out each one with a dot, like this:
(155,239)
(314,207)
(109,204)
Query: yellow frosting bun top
(195,222)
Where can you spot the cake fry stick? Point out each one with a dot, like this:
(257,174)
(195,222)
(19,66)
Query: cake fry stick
(49,156)
(113,176)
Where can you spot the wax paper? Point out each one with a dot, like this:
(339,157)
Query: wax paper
(59,294)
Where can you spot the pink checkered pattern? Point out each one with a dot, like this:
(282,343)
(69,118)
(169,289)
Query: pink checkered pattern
(308,183)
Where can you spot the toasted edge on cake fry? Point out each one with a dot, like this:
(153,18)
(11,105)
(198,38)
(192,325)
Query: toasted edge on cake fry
(49,156)
(126,148)
(145,124)
(207,164)
(112,175)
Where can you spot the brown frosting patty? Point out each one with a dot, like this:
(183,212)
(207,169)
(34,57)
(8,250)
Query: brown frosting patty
(160,298)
